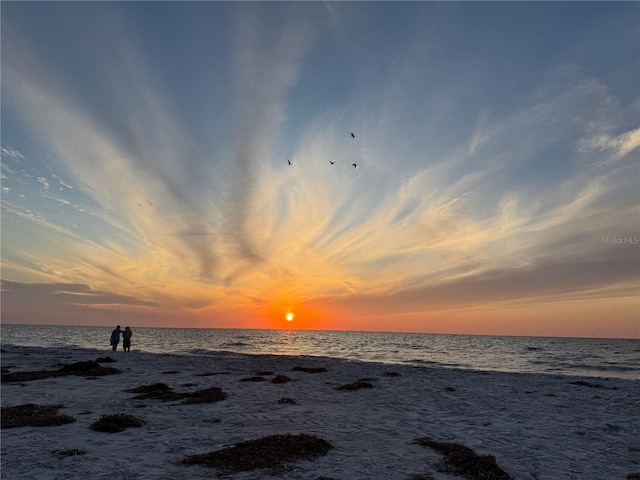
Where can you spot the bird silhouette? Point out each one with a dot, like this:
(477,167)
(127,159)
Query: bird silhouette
(289,161)
(355,166)
(331,162)
(353,135)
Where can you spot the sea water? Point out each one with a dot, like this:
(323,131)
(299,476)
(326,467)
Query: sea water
(613,358)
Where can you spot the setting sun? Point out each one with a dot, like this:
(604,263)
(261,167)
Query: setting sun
(289,317)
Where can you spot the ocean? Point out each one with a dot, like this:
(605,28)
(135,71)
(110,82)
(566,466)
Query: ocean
(607,358)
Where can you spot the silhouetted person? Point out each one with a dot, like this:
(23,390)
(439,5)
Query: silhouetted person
(126,339)
(115,338)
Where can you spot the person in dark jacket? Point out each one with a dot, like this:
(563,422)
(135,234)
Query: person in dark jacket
(126,339)
(115,338)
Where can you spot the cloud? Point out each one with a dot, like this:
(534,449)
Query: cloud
(488,227)
(12,153)
(535,285)
(57,295)
(266,64)
(154,185)
(615,147)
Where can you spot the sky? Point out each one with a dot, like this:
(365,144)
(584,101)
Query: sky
(496,187)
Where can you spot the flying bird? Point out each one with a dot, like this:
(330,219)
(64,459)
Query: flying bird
(289,161)
(331,162)
(353,135)
(355,166)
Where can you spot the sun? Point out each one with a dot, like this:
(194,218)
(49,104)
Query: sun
(289,316)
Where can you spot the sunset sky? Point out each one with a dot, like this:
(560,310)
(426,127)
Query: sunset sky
(497,190)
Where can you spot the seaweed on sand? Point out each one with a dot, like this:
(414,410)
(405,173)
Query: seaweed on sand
(161,391)
(88,368)
(32,415)
(463,461)
(69,452)
(208,395)
(105,360)
(354,386)
(273,451)
(158,391)
(116,423)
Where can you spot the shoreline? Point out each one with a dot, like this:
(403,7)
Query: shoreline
(536,426)
(580,357)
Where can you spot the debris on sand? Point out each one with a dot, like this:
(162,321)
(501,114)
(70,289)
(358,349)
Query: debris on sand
(161,391)
(157,391)
(116,423)
(354,386)
(582,383)
(69,452)
(105,360)
(208,395)
(461,460)
(32,415)
(273,451)
(89,368)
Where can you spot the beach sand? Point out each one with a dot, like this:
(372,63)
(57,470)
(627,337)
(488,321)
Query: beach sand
(536,426)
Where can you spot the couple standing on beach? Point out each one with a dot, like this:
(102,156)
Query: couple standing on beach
(126,338)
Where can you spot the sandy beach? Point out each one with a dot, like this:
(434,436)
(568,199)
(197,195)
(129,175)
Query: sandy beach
(535,426)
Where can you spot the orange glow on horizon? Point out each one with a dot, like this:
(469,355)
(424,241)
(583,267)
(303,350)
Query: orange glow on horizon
(287,314)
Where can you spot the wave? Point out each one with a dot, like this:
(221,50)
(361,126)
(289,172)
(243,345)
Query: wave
(235,344)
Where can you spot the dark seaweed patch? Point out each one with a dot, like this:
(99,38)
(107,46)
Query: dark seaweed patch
(88,368)
(583,383)
(69,452)
(161,391)
(354,386)
(273,451)
(105,360)
(208,395)
(116,423)
(32,415)
(461,460)
(157,391)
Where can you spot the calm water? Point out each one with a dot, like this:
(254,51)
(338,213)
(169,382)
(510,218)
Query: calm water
(615,358)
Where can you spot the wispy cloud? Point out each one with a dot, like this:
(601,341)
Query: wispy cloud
(266,64)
